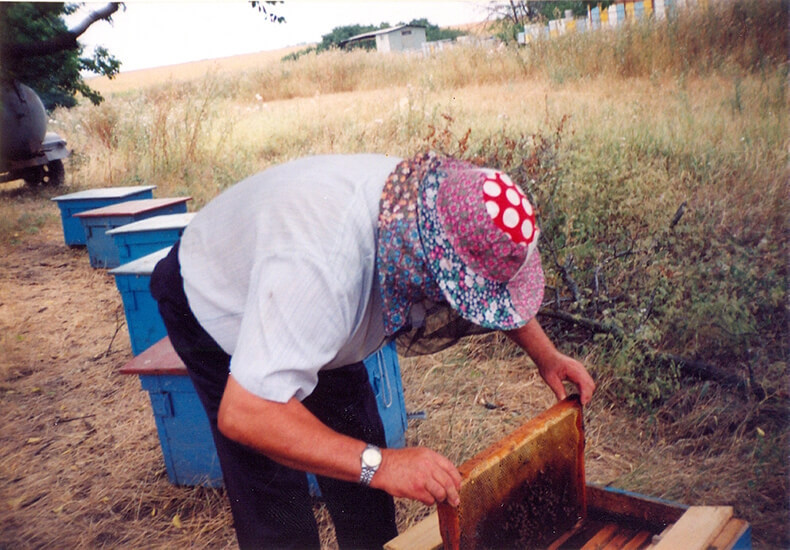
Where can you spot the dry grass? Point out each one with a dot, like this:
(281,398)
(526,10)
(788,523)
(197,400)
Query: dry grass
(130,81)
(80,465)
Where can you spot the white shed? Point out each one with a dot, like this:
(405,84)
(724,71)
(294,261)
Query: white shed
(393,39)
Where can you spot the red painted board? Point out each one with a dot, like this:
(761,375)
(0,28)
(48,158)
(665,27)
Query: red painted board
(132,208)
(160,358)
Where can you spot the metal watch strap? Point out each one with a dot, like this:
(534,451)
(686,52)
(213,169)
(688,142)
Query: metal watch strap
(367,475)
(368,471)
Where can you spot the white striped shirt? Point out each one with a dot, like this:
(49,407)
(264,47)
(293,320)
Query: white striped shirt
(280,270)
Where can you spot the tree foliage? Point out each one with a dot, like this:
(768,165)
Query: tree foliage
(511,16)
(339,35)
(556,10)
(265,7)
(434,33)
(54,72)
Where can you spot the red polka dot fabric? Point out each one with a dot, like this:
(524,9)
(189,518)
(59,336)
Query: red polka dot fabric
(509,208)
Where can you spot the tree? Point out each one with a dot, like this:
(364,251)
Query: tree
(434,33)
(37,49)
(265,8)
(556,10)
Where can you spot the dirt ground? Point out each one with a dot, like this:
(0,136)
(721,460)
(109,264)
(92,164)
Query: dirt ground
(80,461)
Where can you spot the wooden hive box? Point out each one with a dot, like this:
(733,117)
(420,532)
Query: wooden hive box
(181,422)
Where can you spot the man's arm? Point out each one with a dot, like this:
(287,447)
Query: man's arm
(291,435)
(553,366)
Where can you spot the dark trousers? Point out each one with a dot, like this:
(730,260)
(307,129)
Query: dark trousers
(270,503)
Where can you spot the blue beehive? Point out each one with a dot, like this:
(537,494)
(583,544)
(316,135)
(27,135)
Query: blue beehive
(143,321)
(620,13)
(97,222)
(74,203)
(595,17)
(181,423)
(139,239)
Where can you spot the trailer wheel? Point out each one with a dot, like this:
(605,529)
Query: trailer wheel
(52,174)
(33,176)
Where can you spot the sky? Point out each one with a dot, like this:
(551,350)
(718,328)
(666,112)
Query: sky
(156,33)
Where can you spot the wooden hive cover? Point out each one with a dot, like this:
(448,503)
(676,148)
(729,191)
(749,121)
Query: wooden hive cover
(159,359)
(142,266)
(104,193)
(132,208)
(524,490)
(157,223)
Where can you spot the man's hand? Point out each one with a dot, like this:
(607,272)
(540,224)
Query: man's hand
(418,473)
(561,367)
(553,366)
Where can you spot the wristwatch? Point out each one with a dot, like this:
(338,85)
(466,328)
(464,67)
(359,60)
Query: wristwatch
(370,459)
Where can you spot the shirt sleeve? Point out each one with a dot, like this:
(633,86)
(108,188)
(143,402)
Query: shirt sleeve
(295,321)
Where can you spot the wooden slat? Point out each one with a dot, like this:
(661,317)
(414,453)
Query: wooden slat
(730,535)
(601,537)
(422,536)
(637,541)
(132,207)
(696,528)
(565,536)
(632,505)
(160,358)
(618,541)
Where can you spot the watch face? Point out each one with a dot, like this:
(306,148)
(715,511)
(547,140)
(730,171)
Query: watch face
(371,457)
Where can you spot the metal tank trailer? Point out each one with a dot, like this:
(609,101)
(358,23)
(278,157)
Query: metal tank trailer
(27,150)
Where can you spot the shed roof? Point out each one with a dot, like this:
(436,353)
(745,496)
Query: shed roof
(373,34)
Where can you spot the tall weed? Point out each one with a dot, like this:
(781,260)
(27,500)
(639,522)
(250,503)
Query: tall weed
(730,35)
(644,239)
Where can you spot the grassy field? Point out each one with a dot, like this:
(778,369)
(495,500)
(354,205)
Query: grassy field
(657,157)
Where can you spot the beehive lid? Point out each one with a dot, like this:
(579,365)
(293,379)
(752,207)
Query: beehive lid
(142,266)
(105,193)
(131,208)
(523,491)
(159,359)
(166,221)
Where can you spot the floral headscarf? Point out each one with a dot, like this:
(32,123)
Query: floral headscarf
(452,232)
(403,275)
